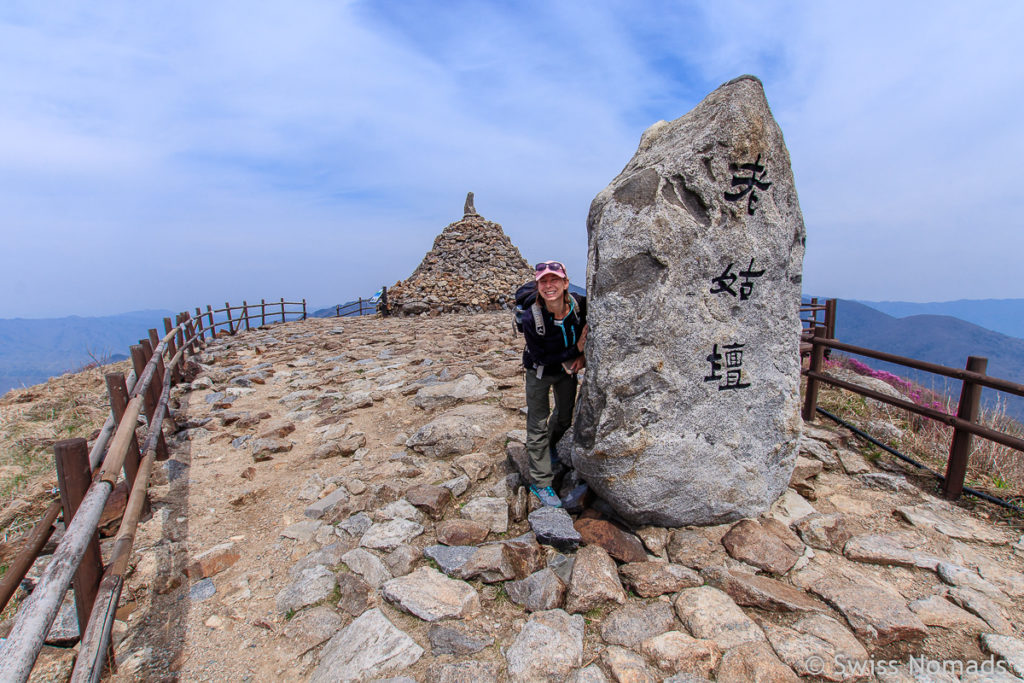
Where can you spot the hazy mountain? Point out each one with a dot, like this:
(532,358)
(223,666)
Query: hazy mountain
(936,338)
(34,349)
(1001,315)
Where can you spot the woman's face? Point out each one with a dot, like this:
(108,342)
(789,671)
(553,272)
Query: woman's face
(552,288)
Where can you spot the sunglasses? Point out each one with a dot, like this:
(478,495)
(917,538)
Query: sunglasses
(553,266)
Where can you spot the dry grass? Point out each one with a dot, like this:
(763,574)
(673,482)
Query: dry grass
(992,468)
(35,418)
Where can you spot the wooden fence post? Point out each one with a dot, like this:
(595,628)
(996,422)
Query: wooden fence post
(245,314)
(154,341)
(191,333)
(303,309)
(384,300)
(140,357)
(171,350)
(199,322)
(960,447)
(180,320)
(117,389)
(231,324)
(360,313)
(263,312)
(830,318)
(817,361)
(213,323)
(73,478)
(337,311)
(282,309)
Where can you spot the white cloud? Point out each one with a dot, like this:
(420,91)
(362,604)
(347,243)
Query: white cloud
(354,129)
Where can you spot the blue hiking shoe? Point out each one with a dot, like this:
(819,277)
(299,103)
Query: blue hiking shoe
(547,496)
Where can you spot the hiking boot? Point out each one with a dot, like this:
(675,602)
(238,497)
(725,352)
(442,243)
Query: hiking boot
(547,496)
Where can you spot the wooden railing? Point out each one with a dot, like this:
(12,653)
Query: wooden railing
(819,339)
(86,479)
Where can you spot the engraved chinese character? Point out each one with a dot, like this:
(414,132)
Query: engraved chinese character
(755,181)
(733,366)
(724,282)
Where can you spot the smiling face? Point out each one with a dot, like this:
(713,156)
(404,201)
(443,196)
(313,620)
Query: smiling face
(552,288)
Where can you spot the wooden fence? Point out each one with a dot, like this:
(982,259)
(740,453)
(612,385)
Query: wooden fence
(819,339)
(87,477)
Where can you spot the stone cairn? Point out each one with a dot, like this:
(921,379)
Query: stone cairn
(472,267)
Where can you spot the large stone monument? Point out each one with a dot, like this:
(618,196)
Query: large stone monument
(689,410)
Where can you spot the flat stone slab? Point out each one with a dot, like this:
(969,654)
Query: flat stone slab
(950,522)
(450,559)
(876,611)
(489,511)
(554,527)
(1008,648)
(938,611)
(461,532)
(312,586)
(455,639)
(711,614)
(651,579)
(430,595)
(369,647)
(768,545)
(818,646)
(595,581)
(621,545)
(540,591)
(627,665)
(548,647)
(753,662)
(675,651)
(982,606)
(751,590)
(632,624)
(367,565)
(900,548)
(391,534)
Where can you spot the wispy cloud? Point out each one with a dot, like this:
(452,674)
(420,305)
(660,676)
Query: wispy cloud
(316,148)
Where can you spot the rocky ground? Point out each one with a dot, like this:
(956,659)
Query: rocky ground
(344,501)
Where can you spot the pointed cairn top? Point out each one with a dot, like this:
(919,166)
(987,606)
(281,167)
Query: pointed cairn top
(469,209)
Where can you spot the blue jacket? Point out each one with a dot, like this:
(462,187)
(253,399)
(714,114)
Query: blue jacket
(558,344)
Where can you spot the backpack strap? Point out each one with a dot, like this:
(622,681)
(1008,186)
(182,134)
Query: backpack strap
(538,318)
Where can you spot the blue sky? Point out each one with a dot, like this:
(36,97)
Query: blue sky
(168,155)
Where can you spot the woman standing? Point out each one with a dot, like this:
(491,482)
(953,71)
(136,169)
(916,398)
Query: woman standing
(552,357)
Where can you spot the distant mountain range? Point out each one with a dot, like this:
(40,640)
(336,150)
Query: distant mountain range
(33,350)
(942,339)
(1001,315)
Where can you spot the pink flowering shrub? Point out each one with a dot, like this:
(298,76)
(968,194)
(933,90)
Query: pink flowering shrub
(925,398)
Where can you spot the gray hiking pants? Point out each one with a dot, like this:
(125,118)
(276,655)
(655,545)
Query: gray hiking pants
(545,427)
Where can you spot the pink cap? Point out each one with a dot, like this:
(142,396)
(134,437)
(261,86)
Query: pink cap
(545,267)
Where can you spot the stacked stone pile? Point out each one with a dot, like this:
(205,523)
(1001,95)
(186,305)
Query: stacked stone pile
(355,510)
(472,267)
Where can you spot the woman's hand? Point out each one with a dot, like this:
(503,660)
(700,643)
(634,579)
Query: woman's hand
(583,337)
(578,364)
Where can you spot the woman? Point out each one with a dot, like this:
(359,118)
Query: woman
(552,357)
